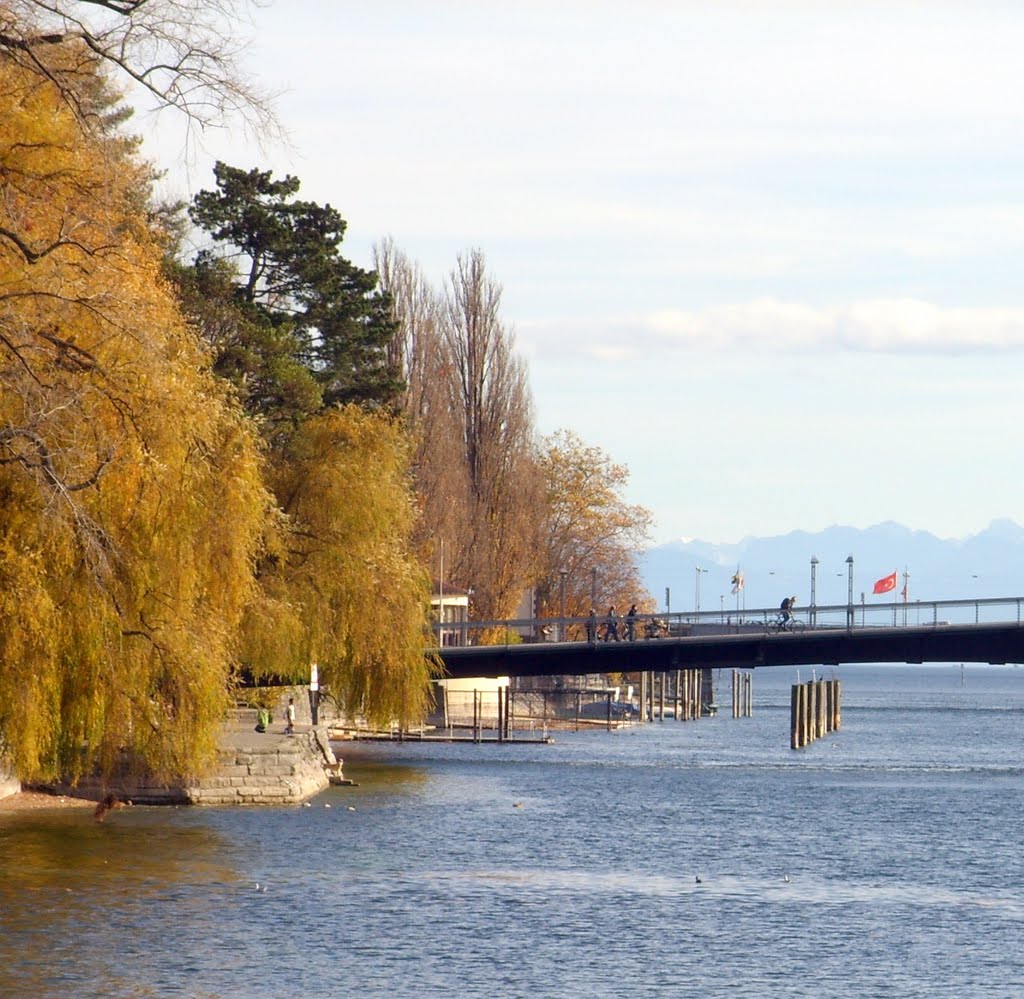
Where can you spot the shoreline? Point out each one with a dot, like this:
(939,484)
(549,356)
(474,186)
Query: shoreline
(28,801)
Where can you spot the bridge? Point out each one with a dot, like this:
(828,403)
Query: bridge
(977,631)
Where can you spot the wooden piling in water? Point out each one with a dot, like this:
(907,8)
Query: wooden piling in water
(814,711)
(742,694)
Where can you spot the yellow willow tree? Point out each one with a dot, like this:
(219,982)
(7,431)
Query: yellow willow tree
(131,501)
(340,586)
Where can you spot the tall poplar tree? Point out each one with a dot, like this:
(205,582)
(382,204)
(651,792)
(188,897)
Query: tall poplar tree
(469,405)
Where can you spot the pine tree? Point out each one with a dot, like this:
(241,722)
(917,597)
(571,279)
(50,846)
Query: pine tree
(292,274)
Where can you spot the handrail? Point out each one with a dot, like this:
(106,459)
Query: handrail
(896,614)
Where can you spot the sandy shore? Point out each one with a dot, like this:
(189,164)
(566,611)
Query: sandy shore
(25,801)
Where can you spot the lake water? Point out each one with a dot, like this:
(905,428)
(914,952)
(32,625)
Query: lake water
(570,869)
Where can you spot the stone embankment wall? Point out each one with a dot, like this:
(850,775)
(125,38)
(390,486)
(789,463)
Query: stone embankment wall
(253,768)
(268,769)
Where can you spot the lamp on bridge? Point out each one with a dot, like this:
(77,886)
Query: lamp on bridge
(814,571)
(849,594)
(562,573)
(696,599)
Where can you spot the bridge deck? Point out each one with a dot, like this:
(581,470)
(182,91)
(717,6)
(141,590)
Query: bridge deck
(984,642)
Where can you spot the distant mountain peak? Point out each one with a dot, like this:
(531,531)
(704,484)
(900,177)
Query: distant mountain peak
(988,564)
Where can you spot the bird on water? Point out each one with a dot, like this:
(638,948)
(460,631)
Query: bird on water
(108,804)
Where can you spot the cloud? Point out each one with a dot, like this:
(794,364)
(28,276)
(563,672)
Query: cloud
(883,326)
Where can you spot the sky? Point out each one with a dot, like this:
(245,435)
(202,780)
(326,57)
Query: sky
(766,255)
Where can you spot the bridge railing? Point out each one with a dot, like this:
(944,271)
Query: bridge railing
(650,627)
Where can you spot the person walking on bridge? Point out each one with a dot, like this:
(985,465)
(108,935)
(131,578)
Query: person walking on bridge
(630,623)
(611,627)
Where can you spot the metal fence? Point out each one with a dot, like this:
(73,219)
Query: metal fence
(651,627)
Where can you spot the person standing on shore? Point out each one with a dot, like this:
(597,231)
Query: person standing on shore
(290,715)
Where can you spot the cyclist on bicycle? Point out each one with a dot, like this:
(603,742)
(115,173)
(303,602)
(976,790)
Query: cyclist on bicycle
(787,607)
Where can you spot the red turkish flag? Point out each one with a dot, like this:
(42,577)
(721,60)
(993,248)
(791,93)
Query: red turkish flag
(885,584)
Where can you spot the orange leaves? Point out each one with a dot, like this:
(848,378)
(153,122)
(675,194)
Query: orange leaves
(591,528)
(349,584)
(134,502)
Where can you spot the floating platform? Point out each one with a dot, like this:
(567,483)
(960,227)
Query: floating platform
(354,735)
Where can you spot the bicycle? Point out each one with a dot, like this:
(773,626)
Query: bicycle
(790,625)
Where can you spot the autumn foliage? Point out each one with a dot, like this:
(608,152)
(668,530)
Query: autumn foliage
(238,465)
(131,496)
(152,545)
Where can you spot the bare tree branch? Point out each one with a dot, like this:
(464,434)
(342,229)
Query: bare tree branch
(184,53)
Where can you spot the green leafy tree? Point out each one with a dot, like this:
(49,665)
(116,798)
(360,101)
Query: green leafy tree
(291,272)
(259,357)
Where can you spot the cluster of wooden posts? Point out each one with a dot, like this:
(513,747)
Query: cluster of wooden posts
(742,694)
(814,711)
(689,691)
(504,714)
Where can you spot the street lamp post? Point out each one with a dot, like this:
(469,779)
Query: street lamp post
(696,598)
(561,599)
(814,571)
(849,593)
